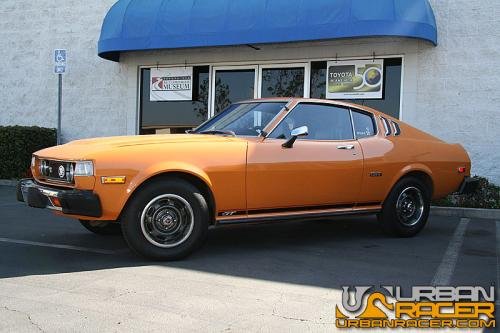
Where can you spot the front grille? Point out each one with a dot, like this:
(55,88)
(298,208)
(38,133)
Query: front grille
(60,171)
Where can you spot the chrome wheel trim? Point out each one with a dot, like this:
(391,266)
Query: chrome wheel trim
(167,221)
(410,206)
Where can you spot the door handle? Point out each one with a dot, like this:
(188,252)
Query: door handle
(346,147)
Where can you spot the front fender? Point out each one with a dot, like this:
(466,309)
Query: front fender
(115,197)
(166,167)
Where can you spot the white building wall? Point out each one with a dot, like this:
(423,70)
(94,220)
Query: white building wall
(457,87)
(448,90)
(29,32)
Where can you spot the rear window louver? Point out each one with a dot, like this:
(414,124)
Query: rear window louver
(397,129)
(387,127)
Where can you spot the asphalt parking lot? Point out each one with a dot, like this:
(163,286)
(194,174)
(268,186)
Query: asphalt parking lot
(57,277)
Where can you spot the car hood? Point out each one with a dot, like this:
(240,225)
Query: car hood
(86,148)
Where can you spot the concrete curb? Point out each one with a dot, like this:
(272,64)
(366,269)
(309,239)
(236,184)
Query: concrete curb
(475,213)
(8,182)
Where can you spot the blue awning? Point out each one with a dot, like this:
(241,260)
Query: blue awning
(132,25)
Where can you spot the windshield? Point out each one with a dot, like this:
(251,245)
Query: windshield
(246,119)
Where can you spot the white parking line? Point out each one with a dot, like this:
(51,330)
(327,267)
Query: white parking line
(59,246)
(447,266)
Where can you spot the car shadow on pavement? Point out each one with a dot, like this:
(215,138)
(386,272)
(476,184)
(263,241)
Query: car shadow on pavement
(321,253)
(324,253)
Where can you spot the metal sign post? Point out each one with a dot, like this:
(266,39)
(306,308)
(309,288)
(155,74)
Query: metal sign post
(59,109)
(59,68)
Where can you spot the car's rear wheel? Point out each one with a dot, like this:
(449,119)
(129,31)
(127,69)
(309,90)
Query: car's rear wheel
(102,227)
(166,220)
(406,209)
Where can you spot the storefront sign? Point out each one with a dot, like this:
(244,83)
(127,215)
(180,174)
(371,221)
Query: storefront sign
(355,79)
(171,84)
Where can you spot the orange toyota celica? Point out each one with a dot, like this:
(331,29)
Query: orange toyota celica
(259,160)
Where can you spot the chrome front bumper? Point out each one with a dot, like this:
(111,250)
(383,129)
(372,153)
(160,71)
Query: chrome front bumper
(73,202)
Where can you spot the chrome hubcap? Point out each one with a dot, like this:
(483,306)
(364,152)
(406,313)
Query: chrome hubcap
(167,221)
(410,206)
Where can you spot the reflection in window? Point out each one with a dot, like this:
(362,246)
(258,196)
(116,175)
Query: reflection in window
(390,102)
(233,86)
(324,122)
(318,79)
(283,82)
(248,119)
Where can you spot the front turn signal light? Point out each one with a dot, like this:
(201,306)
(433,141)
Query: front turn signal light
(84,168)
(113,180)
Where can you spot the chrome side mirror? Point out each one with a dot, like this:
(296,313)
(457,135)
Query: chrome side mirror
(296,132)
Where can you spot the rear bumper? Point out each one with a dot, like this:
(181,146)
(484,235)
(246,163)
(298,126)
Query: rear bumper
(469,185)
(73,202)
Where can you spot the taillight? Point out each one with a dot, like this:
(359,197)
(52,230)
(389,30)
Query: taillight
(461,169)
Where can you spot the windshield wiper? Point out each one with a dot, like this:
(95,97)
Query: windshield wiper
(218,132)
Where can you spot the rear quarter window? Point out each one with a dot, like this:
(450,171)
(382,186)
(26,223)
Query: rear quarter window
(364,124)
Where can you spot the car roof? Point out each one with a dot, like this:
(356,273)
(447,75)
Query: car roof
(295,100)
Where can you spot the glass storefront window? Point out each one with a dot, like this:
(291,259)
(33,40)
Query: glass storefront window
(283,82)
(318,79)
(175,116)
(390,102)
(233,86)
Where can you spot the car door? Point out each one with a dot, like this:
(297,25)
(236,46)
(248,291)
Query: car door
(323,168)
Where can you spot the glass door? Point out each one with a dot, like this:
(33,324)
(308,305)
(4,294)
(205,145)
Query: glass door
(232,84)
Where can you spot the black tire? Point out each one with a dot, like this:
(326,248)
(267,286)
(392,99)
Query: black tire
(168,221)
(102,227)
(401,215)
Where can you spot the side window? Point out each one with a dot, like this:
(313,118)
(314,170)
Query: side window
(364,124)
(325,122)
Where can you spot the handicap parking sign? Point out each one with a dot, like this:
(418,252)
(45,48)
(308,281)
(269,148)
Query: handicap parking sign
(60,58)
(60,69)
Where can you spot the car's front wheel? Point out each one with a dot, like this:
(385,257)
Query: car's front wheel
(102,227)
(406,209)
(166,220)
